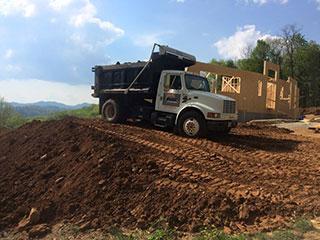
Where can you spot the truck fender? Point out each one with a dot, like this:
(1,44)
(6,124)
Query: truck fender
(188,108)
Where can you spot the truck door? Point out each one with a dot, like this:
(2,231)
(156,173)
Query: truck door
(169,93)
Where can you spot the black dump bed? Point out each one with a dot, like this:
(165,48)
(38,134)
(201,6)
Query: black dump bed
(118,77)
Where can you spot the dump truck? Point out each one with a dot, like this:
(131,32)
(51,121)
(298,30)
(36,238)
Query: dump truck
(162,92)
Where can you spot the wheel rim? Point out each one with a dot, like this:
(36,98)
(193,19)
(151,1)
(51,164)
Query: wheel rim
(191,127)
(109,112)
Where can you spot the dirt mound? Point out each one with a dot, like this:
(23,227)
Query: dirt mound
(107,175)
(3,130)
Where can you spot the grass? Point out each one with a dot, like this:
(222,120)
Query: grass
(160,231)
(302,225)
(87,112)
(215,234)
(160,234)
(284,235)
(119,235)
(261,236)
(17,120)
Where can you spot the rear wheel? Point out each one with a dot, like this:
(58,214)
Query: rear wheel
(112,111)
(192,124)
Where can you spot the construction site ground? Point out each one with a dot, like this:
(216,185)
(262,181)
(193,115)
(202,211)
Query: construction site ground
(300,128)
(100,175)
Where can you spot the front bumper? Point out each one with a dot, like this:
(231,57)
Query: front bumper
(220,125)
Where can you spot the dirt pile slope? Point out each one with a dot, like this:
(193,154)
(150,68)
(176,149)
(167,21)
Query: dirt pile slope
(3,130)
(128,176)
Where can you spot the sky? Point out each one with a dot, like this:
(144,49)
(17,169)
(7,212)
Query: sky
(48,47)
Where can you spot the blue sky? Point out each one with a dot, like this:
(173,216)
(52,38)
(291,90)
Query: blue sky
(47,47)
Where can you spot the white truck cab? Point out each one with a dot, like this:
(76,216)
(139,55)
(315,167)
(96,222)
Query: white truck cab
(180,92)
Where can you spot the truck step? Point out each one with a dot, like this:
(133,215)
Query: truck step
(161,122)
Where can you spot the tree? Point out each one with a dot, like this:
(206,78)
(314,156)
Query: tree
(255,61)
(307,72)
(275,54)
(292,40)
(9,118)
(5,112)
(226,63)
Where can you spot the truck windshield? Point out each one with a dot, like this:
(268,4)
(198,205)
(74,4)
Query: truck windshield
(199,83)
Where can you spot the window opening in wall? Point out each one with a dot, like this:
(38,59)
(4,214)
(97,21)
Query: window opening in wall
(271,74)
(271,96)
(231,84)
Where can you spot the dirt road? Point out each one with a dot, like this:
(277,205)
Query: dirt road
(257,178)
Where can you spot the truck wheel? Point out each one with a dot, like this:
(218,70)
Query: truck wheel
(111,111)
(192,124)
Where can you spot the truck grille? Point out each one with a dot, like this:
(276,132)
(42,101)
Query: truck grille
(229,106)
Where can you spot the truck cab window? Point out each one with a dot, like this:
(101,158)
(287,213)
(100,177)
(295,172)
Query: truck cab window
(172,82)
(198,83)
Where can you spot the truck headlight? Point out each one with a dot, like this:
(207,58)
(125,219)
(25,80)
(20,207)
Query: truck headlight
(213,115)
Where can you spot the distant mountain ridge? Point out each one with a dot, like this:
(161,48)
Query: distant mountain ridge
(43,108)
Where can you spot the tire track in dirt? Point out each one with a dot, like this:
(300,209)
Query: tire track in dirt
(240,155)
(228,159)
(233,155)
(212,183)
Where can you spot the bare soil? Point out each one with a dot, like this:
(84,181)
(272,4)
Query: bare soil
(87,171)
(3,130)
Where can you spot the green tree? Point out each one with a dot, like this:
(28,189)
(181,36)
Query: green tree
(6,112)
(307,73)
(292,40)
(266,50)
(226,63)
(9,118)
(259,54)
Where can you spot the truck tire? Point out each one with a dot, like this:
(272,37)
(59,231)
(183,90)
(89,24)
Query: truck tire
(192,124)
(112,111)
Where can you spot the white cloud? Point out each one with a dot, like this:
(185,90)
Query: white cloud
(78,17)
(180,1)
(19,91)
(233,47)
(84,14)
(81,13)
(59,4)
(87,14)
(11,7)
(8,54)
(262,2)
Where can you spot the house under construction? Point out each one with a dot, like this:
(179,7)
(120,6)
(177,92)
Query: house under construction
(258,95)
